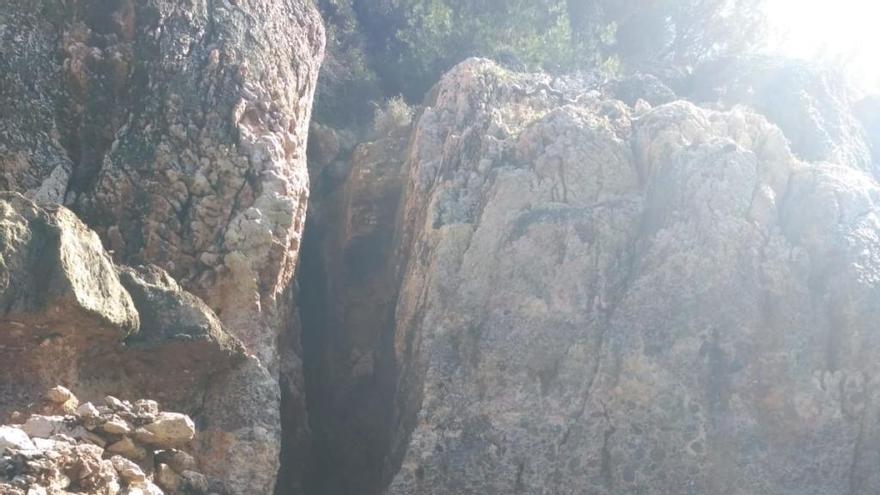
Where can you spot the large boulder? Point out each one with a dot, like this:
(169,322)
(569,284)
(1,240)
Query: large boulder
(56,278)
(176,327)
(71,315)
(59,293)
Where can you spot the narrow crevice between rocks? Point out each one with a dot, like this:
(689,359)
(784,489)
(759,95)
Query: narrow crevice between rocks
(348,282)
(350,417)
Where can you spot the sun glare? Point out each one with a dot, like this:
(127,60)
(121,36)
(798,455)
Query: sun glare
(842,32)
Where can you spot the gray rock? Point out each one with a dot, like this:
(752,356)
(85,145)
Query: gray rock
(78,282)
(59,395)
(129,449)
(115,404)
(167,430)
(177,328)
(146,407)
(88,410)
(116,426)
(128,471)
(195,481)
(14,438)
(46,426)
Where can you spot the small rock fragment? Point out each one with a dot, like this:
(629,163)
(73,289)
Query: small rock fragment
(87,410)
(115,404)
(195,481)
(168,430)
(14,438)
(167,479)
(128,470)
(116,426)
(146,407)
(59,395)
(127,448)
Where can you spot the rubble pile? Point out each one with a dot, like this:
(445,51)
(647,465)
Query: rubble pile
(117,448)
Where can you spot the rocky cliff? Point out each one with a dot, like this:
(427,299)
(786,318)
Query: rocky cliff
(176,131)
(539,285)
(581,295)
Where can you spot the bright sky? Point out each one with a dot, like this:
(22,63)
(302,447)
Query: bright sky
(842,31)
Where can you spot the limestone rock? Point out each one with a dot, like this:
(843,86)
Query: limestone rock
(128,471)
(167,430)
(177,132)
(54,462)
(59,395)
(116,426)
(78,281)
(87,410)
(46,426)
(14,438)
(811,105)
(177,326)
(128,449)
(591,300)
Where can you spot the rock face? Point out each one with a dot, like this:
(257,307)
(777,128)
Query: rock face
(176,132)
(810,104)
(591,297)
(66,453)
(541,286)
(599,301)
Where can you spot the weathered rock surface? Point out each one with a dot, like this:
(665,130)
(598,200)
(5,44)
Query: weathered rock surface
(604,301)
(178,133)
(59,293)
(593,297)
(68,315)
(868,112)
(810,104)
(46,455)
(55,273)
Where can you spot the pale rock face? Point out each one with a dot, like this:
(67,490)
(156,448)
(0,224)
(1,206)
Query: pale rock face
(599,302)
(813,106)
